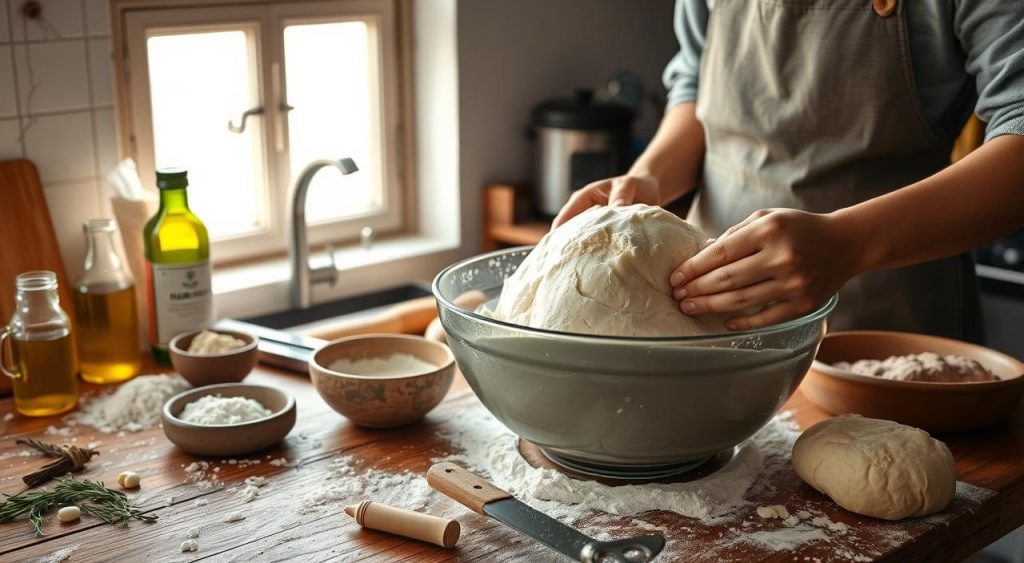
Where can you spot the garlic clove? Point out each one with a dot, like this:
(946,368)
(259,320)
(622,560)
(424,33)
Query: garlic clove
(69,514)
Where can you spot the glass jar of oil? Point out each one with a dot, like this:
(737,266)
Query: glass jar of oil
(38,341)
(106,317)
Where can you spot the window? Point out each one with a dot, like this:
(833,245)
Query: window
(245,95)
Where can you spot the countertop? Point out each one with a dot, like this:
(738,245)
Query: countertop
(277,528)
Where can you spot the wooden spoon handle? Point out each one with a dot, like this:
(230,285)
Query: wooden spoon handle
(462,485)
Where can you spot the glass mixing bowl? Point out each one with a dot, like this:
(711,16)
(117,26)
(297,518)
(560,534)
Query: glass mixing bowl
(627,407)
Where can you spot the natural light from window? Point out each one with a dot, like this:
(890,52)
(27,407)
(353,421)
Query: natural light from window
(198,82)
(329,79)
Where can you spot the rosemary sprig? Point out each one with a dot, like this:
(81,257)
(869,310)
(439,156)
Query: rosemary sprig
(91,496)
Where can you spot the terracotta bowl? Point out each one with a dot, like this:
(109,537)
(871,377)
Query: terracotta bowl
(382,401)
(935,407)
(230,439)
(209,369)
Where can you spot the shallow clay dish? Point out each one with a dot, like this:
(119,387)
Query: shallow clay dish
(382,401)
(230,439)
(935,407)
(209,369)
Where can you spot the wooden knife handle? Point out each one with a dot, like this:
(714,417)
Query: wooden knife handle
(464,486)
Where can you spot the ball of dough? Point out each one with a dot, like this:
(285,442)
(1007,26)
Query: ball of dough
(876,467)
(606,272)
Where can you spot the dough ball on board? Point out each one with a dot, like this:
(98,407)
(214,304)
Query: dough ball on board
(606,272)
(876,467)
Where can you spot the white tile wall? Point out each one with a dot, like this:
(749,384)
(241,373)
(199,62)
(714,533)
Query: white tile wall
(58,18)
(99,70)
(52,76)
(5,35)
(66,123)
(8,104)
(61,146)
(97,23)
(10,146)
(71,204)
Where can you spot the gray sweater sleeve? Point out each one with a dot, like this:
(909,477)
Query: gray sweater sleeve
(680,76)
(992,36)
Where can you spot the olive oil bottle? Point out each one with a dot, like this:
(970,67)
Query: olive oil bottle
(39,342)
(107,320)
(177,266)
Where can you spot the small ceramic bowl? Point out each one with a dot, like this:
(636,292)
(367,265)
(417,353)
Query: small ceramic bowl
(378,401)
(935,407)
(210,369)
(230,439)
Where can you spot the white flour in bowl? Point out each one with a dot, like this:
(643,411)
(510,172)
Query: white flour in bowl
(383,366)
(214,410)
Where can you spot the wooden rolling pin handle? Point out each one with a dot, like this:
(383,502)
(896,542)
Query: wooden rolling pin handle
(462,485)
(424,527)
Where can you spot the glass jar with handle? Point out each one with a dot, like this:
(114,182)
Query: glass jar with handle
(37,349)
(106,317)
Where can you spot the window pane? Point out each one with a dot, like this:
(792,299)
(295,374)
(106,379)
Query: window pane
(329,76)
(199,81)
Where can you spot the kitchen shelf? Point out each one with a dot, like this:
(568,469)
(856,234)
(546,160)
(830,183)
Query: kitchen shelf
(507,221)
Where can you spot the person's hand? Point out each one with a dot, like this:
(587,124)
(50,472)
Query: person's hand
(789,262)
(620,190)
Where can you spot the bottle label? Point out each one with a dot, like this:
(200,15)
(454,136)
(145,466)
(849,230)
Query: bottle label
(181,299)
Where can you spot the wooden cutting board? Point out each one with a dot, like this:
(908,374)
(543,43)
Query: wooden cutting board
(27,238)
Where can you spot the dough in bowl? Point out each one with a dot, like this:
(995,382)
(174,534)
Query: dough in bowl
(876,467)
(605,272)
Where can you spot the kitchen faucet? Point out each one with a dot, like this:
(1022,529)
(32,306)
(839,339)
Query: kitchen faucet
(304,275)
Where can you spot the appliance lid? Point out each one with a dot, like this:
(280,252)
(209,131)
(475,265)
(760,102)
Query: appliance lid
(581,113)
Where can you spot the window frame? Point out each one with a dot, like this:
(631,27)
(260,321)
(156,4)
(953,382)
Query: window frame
(390,29)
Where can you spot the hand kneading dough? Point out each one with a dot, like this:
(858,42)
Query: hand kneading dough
(606,272)
(876,467)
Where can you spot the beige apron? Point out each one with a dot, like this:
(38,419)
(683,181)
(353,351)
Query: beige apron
(810,104)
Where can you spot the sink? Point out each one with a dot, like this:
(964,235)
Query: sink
(361,304)
(282,346)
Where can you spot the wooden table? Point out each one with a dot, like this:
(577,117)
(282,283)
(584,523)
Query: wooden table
(274,529)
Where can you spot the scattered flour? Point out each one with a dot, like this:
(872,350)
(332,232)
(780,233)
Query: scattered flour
(189,546)
(214,410)
(52,430)
(383,366)
(134,406)
(62,554)
(346,486)
(490,447)
(199,473)
(251,489)
(234,517)
(773,511)
(279,462)
(193,533)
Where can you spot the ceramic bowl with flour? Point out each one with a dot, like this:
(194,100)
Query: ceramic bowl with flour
(935,406)
(382,380)
(616,406)
(228,419)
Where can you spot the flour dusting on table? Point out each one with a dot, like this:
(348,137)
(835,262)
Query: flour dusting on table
(492,448)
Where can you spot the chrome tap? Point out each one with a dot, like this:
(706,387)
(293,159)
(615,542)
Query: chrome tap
(303,274)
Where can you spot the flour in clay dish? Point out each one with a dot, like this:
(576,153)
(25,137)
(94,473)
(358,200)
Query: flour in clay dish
(926,366)
(605,272)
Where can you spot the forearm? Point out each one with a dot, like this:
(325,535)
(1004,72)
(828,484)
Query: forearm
(675,155)
(974,201)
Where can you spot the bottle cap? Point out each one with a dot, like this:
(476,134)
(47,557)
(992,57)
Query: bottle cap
(171,178)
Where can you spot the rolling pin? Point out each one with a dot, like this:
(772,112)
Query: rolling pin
(424,527)
(469,301)
(408,317)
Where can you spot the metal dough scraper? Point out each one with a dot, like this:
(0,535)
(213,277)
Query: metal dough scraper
(481,496)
